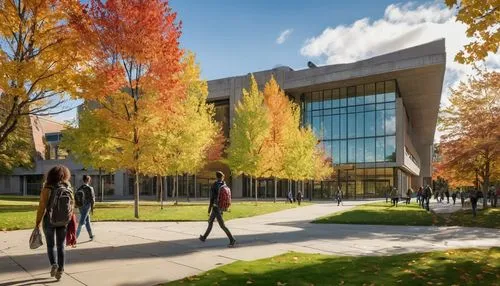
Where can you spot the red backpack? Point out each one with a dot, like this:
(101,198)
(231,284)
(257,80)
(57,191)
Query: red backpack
(224,197)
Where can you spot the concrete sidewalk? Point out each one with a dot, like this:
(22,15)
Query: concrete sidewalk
(148,253)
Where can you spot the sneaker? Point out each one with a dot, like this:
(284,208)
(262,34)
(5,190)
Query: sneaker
(202,238)
(59,274)
(232,243)
(92,237)
(53,270)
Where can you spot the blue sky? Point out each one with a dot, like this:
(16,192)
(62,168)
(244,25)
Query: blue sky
(236,37)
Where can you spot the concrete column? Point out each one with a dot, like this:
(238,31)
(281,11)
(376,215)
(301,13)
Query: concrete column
(120,184)
(237,186)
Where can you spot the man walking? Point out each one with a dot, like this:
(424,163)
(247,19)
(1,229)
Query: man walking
(215,211)
(474,195)
(427,196)
(338,196)
(86,195)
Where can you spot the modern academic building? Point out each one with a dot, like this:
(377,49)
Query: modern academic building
(376,118)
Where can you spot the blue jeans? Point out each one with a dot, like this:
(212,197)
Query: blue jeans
(84,219)
(60,237)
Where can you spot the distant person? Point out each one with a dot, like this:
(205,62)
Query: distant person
(474,196)
(85,200)
(290,196)
(419,195)
(408,196)
(447,194)
(299,197)
(441,196)
(216,208)
(427,196)
(394,196)
(55,209)
(454,197)
(462,197)
(339,196)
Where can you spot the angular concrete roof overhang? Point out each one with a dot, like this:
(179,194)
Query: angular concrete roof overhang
(419,72)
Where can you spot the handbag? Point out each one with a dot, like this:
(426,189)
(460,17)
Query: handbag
(36,239)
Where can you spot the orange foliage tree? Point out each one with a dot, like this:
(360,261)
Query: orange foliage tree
(133,80)
(470,144)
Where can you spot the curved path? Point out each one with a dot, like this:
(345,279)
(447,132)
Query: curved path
(148,253)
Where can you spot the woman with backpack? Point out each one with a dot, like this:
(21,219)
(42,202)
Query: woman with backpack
(55,210)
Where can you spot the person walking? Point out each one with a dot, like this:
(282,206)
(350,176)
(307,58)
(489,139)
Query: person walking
(454,197)
(427,196)
(339,196)
(419,196)
(447,194)
(85,198)
(299,197)
(290,196)
(441,196)
(408,196)
(474,196)
(215,211)
(394,197)
(55,209)
(462,197)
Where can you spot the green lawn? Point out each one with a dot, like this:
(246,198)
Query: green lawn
(383,213)
(453,267)
(20,212)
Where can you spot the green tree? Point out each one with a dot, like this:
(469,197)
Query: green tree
(251,127)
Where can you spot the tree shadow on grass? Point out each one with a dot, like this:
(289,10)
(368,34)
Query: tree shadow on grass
(465,267)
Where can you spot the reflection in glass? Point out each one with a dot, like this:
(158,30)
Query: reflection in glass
(390,122)
(343,151)
(316,125)
(327,123)
(360,150)
(343,126)
(328,148)
(327,97)
(369,149)
(336,152)
(351,125)
(370,123)
(390,149)
(380,149)
(351,151)
(360,124)
(336,127)
(380,122)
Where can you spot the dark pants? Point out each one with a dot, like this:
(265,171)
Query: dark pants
(339,201)
(408,200)
(454,199)
(299,200)
(60,236)
(395,201)
(217,214)
(425,203)
(495,200)
(463,201)
(473,202)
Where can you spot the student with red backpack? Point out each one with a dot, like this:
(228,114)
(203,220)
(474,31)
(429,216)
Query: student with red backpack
(56,210)
(220,201)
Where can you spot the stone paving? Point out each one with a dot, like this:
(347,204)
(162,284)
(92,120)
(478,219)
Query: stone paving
(148,253)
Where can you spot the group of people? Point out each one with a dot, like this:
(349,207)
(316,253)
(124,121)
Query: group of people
(56,213)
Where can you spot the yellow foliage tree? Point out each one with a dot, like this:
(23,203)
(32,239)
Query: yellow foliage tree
(482,18)
(39,60)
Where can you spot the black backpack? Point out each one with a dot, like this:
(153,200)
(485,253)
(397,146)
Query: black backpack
(60,205)
(80,198)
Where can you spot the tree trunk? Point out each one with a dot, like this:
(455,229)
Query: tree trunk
(161,192)
(136,194)
(187,187)
(275,189)
(176,188)
(486,184)
(99,187)
(256,183)
(195,195)
(250,189)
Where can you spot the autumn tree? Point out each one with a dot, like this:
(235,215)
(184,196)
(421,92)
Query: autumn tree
(250,129)
(469,146)
(282,125)
(17,150)
(39,59)
(133,78)
(482,18)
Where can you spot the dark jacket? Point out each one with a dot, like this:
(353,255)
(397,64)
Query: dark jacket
(214,195)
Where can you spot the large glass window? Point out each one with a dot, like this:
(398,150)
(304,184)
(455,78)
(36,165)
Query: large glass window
(363,117)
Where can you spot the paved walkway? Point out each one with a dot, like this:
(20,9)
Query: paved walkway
(448,208)
(145,253)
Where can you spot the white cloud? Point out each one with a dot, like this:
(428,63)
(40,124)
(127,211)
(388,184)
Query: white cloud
(284,36)
(402,26)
